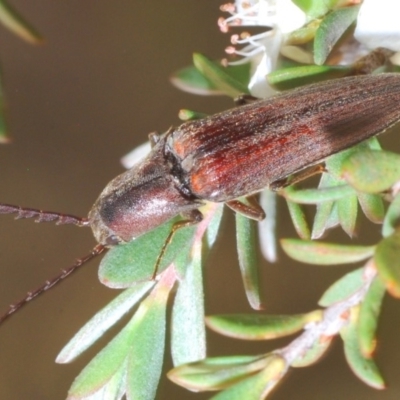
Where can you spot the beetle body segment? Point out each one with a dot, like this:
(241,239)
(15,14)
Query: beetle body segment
(241,151)
(140,199)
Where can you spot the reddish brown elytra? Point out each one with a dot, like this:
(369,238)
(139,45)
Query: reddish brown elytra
(229,155)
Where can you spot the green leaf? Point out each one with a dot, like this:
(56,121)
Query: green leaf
(246,238)
(104,365)
(16,24)
(191,80)
(102,321)
(320,224)
(304,34)
(372,206)
(260,327)
(392,217)
(257,386)
(299,220)
(289,78)
(368,318)
(217,373)
(331,29)
(315,8)
(218,76)
(133,262)
(333,164)
(343,288)
(322,218)
(315,196)
(387,261)
(146,353)
(214,224)
(313,354)
(364,368)
(347,212)
(188,337)
(320,253)
(144,335)
(190,115)
(115,387)
(372,171)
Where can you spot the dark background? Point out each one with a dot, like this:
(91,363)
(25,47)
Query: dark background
(76,105)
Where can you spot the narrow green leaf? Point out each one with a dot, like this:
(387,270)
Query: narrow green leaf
(218,76)
(114,389)
(298,55)
(188,337)
(257,386)
(392,217)
(372,171)
(331,29)
(289,78)
(190,115)
(139,333)
(104,365)
(260,327)
(368,318)
(334,163)
(387,260)
(146,354)
(214,225)
(217,373)
(333,219)
(102,321)
(321,218)
(304,34)
(299,220)
(364,368)
(372,206)
(315,196)
(373,143)
(246,238)
(324,209)
(343,288)
(313,354)
(134,262)
(191,80)
(16,24)
(321,253)
(347,211)
(316,8)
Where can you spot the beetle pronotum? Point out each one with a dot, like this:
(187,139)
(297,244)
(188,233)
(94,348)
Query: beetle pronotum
(229,155)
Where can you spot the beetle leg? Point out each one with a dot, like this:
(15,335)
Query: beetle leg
(296,178)
(251,209)
(244,99)
(154,137)
(192,217)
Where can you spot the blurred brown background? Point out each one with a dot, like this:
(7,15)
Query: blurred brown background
(75,106)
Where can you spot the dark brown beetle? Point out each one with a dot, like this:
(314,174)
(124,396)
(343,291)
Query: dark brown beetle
(232,154)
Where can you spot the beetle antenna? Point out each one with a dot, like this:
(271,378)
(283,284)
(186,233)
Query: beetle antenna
(43,216)
(52,282)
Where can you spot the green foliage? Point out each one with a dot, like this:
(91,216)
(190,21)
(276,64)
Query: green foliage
(364,175)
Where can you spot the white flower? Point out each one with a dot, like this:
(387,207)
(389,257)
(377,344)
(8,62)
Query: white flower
(261,50)
(378,24)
